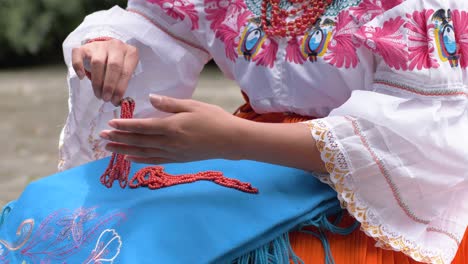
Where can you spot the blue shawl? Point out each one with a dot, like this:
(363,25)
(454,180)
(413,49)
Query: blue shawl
(70,217)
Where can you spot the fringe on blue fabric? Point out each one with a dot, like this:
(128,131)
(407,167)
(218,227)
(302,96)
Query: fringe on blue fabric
(279,251)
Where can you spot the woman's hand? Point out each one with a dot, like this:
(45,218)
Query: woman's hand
(112,65)
(196,131)
(199,131)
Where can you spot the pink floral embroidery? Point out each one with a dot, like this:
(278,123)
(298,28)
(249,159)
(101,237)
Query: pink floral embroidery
(460,23)
(293,52)
(342,49)
(216,10)
(267,56)
(179,9)
(389,42)
(421,50)
(369,9)
(226,20)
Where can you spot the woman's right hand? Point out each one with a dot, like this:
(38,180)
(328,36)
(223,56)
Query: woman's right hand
(112,63)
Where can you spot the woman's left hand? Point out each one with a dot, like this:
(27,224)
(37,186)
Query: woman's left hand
(195,131)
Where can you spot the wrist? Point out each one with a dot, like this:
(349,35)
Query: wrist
(240,139)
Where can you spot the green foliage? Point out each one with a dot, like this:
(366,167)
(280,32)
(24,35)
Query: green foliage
(36,28)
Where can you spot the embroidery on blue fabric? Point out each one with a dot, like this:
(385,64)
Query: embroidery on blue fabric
(62,235)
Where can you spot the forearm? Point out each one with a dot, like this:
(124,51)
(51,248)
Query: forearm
(285,144)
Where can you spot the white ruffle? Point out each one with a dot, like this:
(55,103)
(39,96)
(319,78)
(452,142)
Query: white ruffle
(399,164)
(167,67)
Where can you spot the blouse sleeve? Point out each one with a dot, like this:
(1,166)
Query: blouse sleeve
(398,155)
(171,60)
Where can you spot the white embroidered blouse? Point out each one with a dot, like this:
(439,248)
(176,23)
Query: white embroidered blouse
(387,78)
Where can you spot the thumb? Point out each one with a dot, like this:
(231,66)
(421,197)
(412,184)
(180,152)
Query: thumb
(171,105)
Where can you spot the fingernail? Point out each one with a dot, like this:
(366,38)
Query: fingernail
(156,98)
(80,74)
(104,134)
(112,123)
(106,97)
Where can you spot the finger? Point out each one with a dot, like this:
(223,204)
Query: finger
(133,139)
(112,75)
(135,151)
(129,65)
(172,105)
(77,62)
(98,67)
(149,160)
(146,126)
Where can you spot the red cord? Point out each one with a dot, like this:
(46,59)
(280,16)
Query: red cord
(119,168)
(155,177)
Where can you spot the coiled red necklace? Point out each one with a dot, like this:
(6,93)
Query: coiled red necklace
(302,18)
(154,177)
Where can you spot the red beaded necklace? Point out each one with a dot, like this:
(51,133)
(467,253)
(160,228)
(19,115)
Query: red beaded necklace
(278,24)
(154,177)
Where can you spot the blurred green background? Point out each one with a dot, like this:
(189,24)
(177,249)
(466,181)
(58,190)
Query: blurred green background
(32,31)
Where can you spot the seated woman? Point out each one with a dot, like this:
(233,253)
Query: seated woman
(372,96)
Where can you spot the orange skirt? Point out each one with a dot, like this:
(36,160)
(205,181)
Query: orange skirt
(356,248)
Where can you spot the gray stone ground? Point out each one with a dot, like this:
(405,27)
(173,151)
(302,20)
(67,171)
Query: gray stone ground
(33,108)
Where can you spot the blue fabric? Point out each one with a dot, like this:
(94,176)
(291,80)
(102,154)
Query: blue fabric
(71,218)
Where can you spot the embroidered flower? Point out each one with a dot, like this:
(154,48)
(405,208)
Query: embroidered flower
(1,250)
(342,49)
(369,9)
(179,9)
(73,224)
(388,41)
(107,248)
(460,23)
(420,48)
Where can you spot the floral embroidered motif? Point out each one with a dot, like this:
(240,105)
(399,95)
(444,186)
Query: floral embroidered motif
(460,23)
(342,48)
(73,224)
(420,48)
(410,42)
(237,25)
(369,9)
(445,37)
(337,165)
(107,248)
(389,42)
(179,10)
(330,40)
(226,20)
(63,234)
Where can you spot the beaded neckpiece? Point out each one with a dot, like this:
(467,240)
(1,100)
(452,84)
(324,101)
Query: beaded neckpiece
(293,21)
